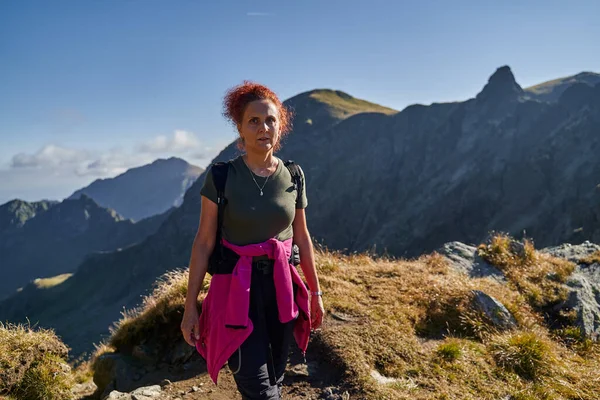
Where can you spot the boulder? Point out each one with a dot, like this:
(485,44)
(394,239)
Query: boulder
(494,310)
(464,258)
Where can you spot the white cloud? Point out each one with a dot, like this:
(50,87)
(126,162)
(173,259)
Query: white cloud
(180,142)
(49,156)
(62,161)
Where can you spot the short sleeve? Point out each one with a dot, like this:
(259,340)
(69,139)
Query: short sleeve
(208,188)
(302,202)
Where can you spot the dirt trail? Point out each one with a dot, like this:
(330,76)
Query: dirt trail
(315,379)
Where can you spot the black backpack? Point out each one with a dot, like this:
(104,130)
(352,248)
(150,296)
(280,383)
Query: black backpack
(223,259)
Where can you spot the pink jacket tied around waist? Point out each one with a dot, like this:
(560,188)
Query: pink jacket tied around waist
(224,321)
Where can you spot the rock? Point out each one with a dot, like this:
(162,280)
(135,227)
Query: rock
(584,298)
(495,311)
(143,353)
(146,393)
(382,380)
(464,258)
(305,370)
(181,353)
(85,389)
(333,393)
(583,285)
(116,395)
(165,382)
(573,253)
(115,371)
(195,388)
(298,370)
(517,248)
(341,317)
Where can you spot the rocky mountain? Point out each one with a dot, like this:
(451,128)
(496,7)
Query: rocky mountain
(15,213)
(402,182)
(43,239)
(552,90)
(144,191)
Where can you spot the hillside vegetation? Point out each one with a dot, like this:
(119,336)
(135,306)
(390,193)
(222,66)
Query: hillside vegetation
(408,329)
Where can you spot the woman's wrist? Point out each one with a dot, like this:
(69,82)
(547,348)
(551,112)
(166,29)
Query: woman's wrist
(316,293)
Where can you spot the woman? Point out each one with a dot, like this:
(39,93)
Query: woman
(252,313)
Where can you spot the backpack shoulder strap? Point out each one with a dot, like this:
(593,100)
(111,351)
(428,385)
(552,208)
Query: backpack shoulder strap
(296,177)
(219,172)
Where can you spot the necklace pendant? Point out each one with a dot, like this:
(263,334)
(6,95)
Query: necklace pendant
(261,192)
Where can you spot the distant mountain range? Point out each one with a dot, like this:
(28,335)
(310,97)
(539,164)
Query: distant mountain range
(144,191)
(509,159)
(43,239)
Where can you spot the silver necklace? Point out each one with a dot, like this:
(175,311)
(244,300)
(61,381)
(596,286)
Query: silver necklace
(256,183)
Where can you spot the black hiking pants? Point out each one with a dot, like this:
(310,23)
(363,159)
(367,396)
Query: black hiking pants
(259,363)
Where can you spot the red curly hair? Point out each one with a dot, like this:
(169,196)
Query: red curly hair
(237,98)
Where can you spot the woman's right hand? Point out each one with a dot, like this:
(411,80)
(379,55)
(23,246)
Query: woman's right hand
(190,327)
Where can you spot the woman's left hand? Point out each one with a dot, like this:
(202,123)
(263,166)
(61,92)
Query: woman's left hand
(316,311)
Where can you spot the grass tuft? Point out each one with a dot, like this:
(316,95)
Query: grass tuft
(32,364)
(591,259)
(524,353)
(538,276)
(450,350)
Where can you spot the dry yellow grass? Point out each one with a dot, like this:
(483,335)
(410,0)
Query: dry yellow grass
(155,322)
(591,259)
(45,283)
(32,364)
(540,277)
(412,321)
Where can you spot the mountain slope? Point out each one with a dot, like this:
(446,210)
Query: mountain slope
(42,239)
(552,90)
(404,182)
(144,191)
(15,213)
(105,283)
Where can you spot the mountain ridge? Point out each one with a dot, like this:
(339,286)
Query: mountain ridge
(144,191)
(428,174)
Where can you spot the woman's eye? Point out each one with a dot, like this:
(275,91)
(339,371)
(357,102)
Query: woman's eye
(253,120)
(271,120)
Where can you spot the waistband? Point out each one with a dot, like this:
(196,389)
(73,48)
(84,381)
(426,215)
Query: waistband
(264,266)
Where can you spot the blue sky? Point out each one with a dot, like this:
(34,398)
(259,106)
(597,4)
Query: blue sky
(89,88)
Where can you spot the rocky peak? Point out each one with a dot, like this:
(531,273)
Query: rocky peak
(501,86)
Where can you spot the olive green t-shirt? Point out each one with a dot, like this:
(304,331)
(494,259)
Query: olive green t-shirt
(249,217)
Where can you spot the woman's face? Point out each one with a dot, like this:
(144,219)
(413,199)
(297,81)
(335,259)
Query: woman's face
(260,127)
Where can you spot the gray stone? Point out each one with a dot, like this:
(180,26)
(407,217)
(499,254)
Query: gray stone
(464,258)
(143,353)
(146,393)
(583,286)
(584,298)
(494,310)
(573,253)
(165,382)
(116,395)
(334,393)
(115,371)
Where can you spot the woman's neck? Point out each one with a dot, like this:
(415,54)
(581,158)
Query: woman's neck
(261,164)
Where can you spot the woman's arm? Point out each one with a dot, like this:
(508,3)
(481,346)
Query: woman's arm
(307,263)
(203,245)
(307,256)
